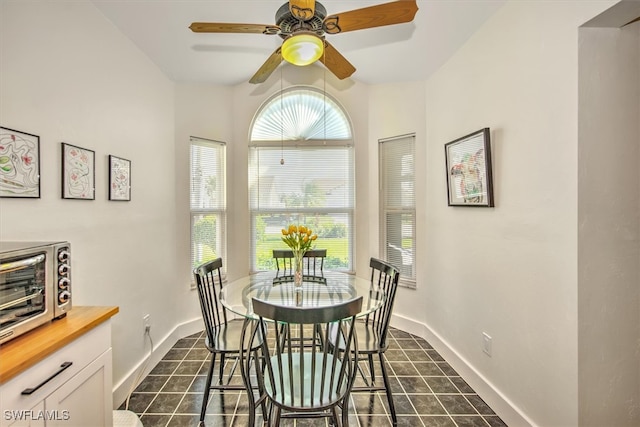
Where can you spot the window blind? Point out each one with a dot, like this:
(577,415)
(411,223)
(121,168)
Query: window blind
(398,213)
(314,187)
(207,200)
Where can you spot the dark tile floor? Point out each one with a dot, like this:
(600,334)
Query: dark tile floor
(427,392)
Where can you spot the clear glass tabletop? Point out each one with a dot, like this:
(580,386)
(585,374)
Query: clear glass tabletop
(332,288)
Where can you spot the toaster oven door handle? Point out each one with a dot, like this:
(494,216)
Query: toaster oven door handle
(32,390)
(8,267)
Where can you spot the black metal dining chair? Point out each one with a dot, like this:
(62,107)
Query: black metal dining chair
(222,334)
(284,262)
(313,262)
(372,332)
(301,380)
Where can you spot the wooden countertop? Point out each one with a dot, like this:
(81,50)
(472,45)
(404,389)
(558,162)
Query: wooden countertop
(28,349)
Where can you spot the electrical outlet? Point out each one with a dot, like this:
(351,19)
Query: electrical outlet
(486,343)
(146,322)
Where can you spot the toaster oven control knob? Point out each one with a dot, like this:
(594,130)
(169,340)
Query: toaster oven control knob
(64,283)
(63,256)
(63,269)
(63,297)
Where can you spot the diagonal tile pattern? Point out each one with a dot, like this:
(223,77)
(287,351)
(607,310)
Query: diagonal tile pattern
(427,392)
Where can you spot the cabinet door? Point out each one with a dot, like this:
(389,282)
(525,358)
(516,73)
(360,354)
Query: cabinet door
(31,418)
(84,400)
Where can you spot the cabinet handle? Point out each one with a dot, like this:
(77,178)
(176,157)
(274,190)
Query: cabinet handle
(64,366)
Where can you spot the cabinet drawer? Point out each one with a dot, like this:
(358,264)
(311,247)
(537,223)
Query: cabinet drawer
(80,352)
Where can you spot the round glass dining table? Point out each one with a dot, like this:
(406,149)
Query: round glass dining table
(331,288)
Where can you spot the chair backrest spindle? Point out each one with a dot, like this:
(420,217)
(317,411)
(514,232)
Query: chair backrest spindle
(303,377)
(313,261)
(386,277)
(209,282)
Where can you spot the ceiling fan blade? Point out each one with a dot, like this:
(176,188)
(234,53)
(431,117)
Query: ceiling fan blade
(335,62)
(396,12)
(268,67)
(218,27)
(302,9)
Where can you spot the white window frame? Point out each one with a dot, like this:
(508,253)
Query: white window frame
(407,271)
(220,210)
(330,128)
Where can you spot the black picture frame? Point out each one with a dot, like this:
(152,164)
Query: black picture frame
(19,164)
(78,172)
(469,171)
(119,179)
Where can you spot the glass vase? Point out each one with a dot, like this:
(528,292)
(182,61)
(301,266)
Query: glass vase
(297,270)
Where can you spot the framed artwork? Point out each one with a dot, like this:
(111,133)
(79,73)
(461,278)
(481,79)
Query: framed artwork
(78,173)
(468,161)
(19,164)
(119,179)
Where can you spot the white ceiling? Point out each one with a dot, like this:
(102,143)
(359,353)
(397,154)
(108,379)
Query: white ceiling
(396,53)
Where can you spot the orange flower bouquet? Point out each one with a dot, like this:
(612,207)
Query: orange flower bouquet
(300,239)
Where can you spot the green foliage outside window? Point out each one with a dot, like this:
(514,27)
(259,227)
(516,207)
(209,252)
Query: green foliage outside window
(337,251)
(204,238)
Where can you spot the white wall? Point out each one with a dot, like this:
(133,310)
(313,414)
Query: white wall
(609,228)
(69,75)
(511,271)
(399,109)
(202,111)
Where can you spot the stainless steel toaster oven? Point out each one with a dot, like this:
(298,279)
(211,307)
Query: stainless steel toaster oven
(35,285)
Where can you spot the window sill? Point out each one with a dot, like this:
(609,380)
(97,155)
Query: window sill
(407,283)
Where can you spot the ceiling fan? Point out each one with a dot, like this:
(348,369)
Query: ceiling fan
(303,24)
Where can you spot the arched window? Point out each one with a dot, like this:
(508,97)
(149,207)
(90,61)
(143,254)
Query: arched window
(301,171)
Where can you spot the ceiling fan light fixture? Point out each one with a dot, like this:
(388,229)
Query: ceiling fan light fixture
(302,48)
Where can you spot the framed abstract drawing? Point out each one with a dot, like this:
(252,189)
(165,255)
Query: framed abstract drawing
(78,173)
(119,179)
(19,164)
(468,162)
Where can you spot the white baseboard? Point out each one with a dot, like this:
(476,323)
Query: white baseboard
(500,404)
(160,348)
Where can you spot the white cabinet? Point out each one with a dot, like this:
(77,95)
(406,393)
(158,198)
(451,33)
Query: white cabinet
(84,397)
(77,396)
